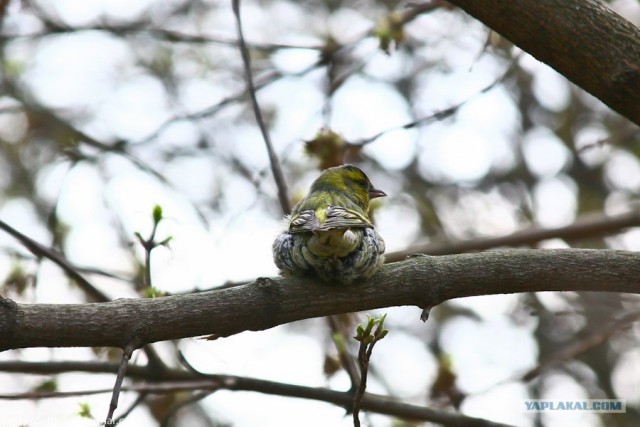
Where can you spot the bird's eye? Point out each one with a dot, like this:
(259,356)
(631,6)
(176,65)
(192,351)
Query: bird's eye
(357,182)
(362,183)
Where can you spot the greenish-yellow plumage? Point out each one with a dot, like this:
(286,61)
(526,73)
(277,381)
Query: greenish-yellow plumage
(330,234)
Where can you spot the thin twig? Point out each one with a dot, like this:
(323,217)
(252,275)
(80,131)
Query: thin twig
(52,367)
(160,33)
(184,362)
(368,339)
(122,370)
(147,266)
(595,338)
(363,360)
(150,243)
(273,158)
(441,114)
(584,227)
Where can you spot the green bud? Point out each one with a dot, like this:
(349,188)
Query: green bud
(157,214)
(370,324)
(359,331)
(380,322)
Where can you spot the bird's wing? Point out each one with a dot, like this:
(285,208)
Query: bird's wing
(339,217)
(303,221)
(328,219)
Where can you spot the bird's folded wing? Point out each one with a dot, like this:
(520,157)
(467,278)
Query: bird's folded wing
(335,217)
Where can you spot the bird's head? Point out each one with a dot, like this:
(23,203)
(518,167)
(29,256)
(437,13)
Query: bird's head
(349,181)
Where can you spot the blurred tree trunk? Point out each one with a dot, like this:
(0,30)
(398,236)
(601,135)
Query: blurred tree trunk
(584,40)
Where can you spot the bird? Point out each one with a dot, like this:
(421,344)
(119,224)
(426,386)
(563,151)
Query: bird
(330,234)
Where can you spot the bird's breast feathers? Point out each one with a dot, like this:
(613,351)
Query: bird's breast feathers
(327,218)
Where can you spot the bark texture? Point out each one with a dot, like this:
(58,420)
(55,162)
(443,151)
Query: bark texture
(422,281)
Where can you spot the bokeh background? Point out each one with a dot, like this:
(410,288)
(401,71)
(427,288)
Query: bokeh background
(109,108)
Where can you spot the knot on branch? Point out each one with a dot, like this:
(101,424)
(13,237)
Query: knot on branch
(137,337)
(266,284)
(7,304)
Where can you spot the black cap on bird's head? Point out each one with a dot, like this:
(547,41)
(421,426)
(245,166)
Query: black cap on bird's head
(349,179)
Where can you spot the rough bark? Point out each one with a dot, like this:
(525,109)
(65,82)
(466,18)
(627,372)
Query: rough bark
(584,40)
(422,281)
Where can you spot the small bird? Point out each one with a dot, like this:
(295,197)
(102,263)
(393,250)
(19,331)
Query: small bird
(330,234)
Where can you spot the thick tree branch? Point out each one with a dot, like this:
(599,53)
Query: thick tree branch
(582,39)
(421,281)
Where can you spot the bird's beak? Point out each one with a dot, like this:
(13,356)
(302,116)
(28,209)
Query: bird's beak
(373,193)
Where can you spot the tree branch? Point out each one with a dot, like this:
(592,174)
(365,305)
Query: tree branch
(587,226)
(582,39)
(52,367)
(283,196)
(173,380)
(420,281)
(41,251)
(572,349)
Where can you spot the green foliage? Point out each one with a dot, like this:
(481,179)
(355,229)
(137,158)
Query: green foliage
(153,293)
(85,410)
(49,385)
(390,32)
(366,334)
(18,280)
